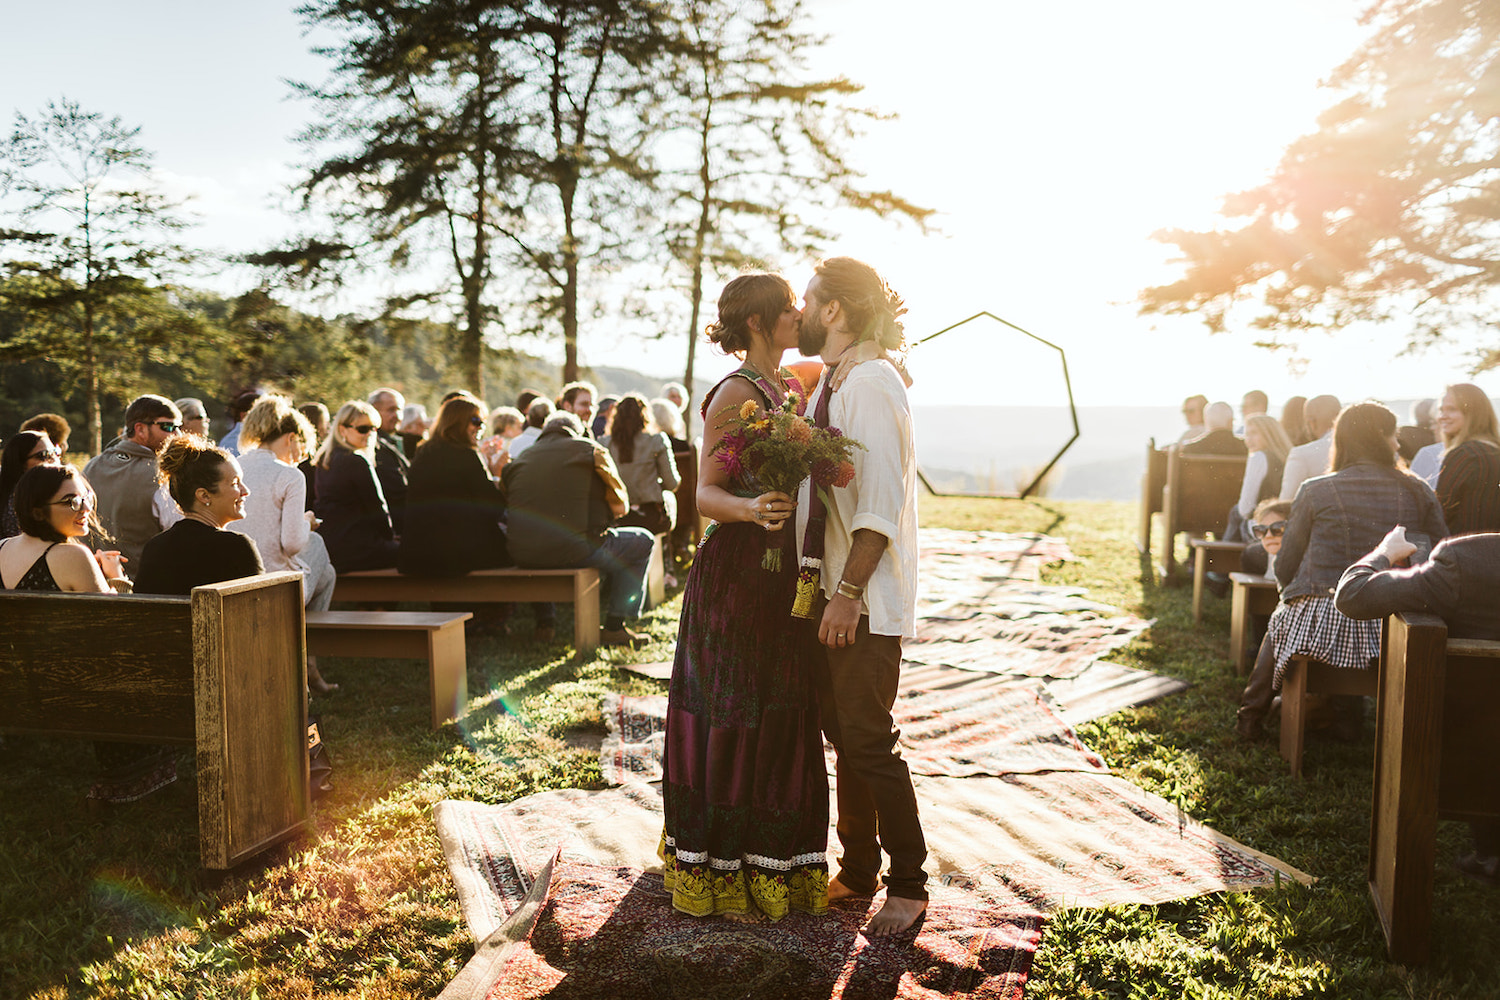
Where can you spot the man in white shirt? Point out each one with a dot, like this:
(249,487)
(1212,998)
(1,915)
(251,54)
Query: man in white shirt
(869,583)
(1311,459)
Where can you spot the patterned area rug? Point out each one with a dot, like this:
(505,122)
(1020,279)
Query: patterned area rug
(1010,729)
(611,932)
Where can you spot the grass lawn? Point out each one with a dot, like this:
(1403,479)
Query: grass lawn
(116,907)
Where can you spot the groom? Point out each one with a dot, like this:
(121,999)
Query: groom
(868,577)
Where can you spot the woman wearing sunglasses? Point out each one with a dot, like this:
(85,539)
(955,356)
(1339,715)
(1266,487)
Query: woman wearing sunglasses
(453,505)
(55,507)
(1335,520)
(356,523)
(24,452)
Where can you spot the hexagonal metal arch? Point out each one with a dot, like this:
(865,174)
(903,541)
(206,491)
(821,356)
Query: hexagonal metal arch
(1072,410)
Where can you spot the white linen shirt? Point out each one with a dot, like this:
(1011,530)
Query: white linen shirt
(871,407)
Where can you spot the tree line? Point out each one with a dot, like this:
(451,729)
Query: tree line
(520,166)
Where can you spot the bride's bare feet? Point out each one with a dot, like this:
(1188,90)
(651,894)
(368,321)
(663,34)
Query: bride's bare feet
(895,916)
(838,890)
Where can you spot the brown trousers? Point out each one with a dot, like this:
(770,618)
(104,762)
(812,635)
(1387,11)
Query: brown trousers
(877,806)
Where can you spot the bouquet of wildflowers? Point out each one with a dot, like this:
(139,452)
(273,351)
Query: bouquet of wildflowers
(777,449)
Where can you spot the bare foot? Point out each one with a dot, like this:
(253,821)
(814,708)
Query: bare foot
(895,916)
(741,918)
(838,890)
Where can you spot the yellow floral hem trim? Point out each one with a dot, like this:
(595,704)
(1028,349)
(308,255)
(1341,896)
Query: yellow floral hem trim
(707,894)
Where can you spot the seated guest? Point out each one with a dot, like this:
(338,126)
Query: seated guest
(56,513)
(205,482)
(577,398)
(669,418)
(54,426)
(600,425)
(1428,463)
(194,416)
(1335,519)
(1311,459)
(675,393)
(1469,478)
(391,463)
(1253,404)
(23,452)
(506,424)
(133,507)
(562,494)
(1294,420)
(1219,439)
(1419,433)
(356,524)
(536,416)
(1458,584)
(413,428)
(238,407)
(1192,412)
(455,508)
(55,506)
(1268,446)
(317,416)
(1266,529)
(643,455)
(274,439)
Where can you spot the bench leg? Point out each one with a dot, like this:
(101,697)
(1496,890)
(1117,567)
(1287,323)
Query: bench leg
(1200,571)
(1239,625)
(447,671)
(1294,713)
(586,614)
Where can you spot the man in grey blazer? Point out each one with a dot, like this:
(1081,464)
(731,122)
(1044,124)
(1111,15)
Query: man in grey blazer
(1458,584)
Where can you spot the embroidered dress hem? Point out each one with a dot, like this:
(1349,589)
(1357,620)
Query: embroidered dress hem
(1312,626)
(718,887)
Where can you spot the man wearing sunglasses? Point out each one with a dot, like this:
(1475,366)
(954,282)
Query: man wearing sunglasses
(133,507)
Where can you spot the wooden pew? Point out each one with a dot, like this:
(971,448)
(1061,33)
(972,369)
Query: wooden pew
(1221,557)
(689,529)
(1436,746)
(436,637)
(1305,676)
(580,587)
(1197,496)
(1251,598)
(1153,482)
(223,671)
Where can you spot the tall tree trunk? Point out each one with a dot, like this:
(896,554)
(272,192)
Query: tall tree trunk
(700,244)
(91,382)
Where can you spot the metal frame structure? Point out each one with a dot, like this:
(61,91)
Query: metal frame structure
(1072,411)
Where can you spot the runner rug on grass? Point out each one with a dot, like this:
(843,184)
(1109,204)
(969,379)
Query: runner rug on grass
(1022,842)
(611,932)
(1000,729)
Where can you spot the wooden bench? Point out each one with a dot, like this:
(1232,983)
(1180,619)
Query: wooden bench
(1153,482)
(437,637)
(1220,557)
(1437,742)
(1197,496)
(223,671)
(1305,676)
(1252,598)
(580,587)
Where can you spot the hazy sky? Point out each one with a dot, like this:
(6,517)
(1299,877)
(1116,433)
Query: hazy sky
(1053,139)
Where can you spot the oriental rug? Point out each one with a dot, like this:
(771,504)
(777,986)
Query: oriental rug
(961,731)
(1023,842)
(611,932)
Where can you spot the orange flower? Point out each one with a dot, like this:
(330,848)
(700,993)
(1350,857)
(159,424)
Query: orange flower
(799,430)
(845,476)
(747,410)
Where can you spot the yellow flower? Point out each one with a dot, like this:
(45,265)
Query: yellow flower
(748,409)
(760,424)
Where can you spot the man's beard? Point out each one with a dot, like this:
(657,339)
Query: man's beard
(811,336)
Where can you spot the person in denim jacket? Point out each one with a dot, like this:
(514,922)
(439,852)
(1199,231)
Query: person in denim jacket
(1336,519)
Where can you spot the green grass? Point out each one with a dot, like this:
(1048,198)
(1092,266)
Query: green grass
(365,907)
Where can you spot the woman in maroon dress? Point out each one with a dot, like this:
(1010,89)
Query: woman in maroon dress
(745,787)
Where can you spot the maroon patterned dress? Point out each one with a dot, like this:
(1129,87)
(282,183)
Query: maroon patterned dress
(745,787)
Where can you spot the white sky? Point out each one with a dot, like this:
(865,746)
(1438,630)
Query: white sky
(1053,138)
